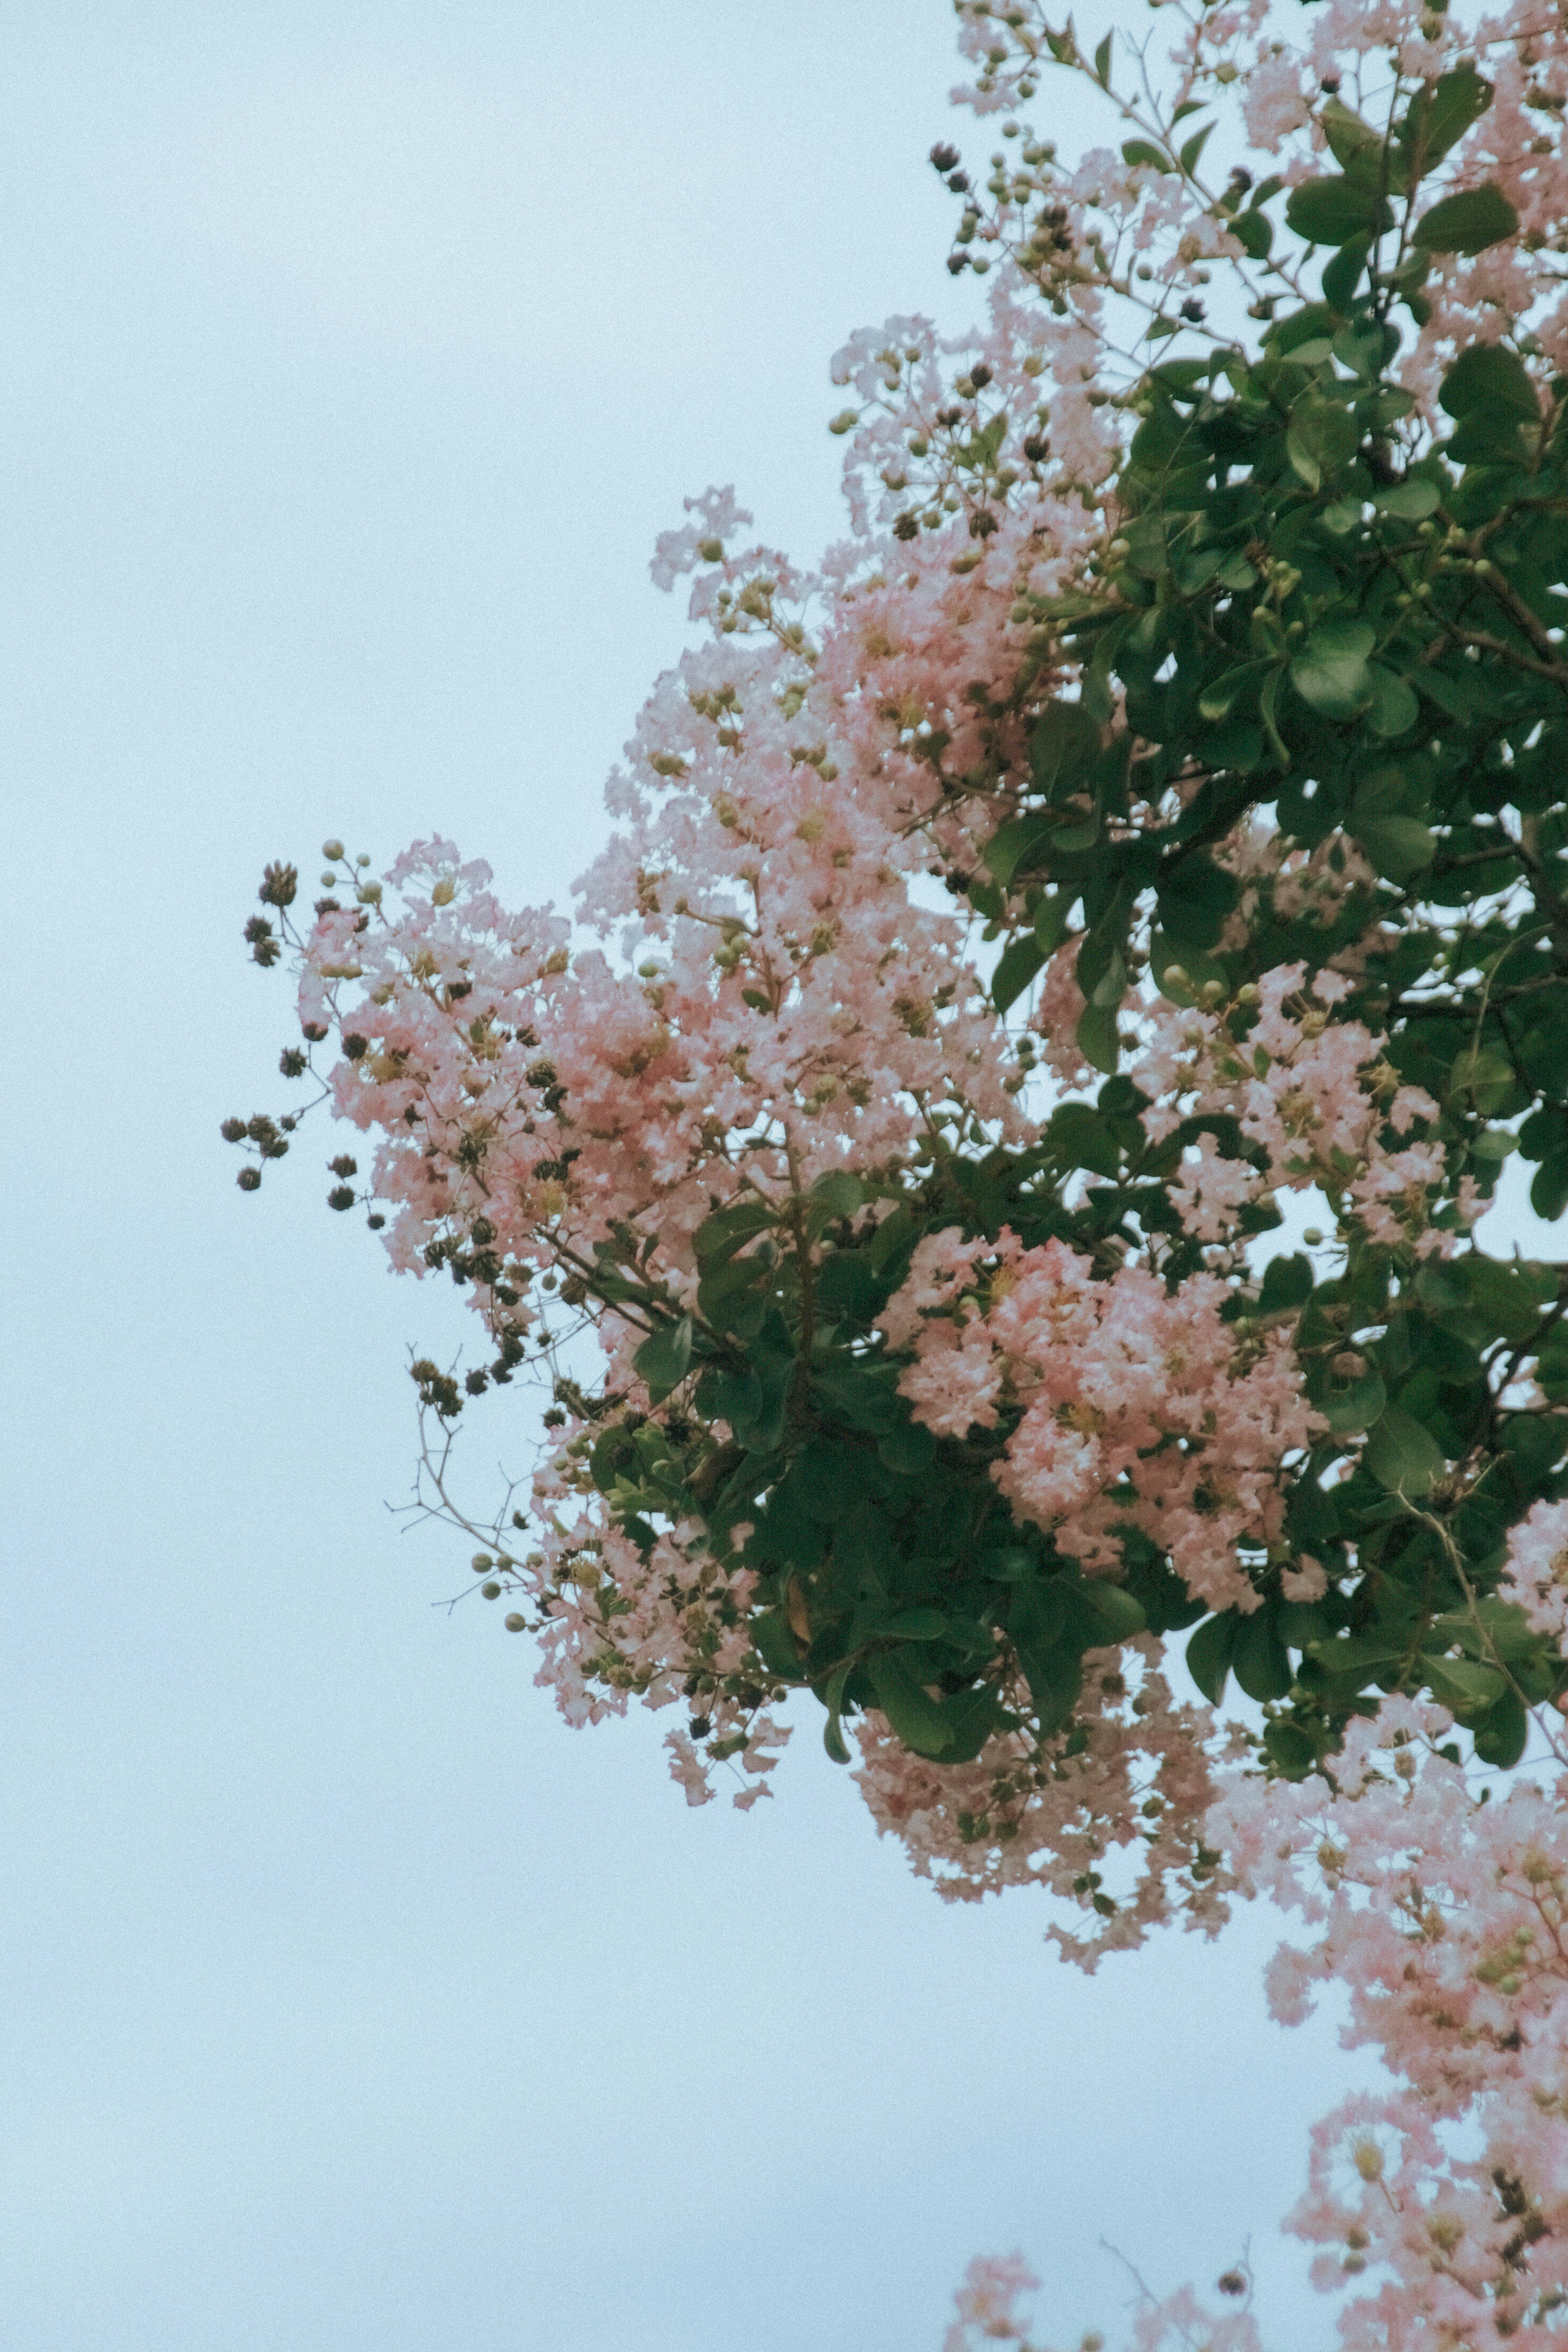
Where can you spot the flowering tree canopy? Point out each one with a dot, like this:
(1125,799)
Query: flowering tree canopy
(1145,832)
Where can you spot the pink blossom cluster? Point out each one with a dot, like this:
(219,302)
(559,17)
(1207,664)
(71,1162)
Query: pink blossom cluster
(1536,1575)
(1108,1818)
(756,990)
(613,1625)
(771,1002)
(986,2305)
(1317,1105)
(1446,1920)
(987,2311)
(1127,1403)
(1362,58)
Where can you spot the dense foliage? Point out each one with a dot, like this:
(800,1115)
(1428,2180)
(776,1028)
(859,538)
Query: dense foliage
(1069,974)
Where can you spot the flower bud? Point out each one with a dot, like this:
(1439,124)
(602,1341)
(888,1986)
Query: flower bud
(333,849)
(516,1624)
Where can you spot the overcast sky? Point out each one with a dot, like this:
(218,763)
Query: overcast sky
(353,357)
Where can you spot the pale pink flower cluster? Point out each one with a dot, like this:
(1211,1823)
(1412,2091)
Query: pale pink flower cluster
(1131,1405)
(1317,1103)
(1059,1006)
(1536,1575)
(1280,75)
(987,2312)
(613,1626)
(1316,882)
(794,1009)
(1181,2322)
(986,2305)
(1446,1920)
(1110,1820)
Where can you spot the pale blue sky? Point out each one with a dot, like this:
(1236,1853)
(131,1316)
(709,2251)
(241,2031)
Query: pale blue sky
(353,356)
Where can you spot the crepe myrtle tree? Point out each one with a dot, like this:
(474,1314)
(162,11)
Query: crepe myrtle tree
(1144,832)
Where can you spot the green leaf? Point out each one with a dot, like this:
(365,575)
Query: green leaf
(1347,1410)
(1219,698)
(856,1389)
(1143,151)
(1334,209)
(1080,1137)
(1486,378)
(1037,1612)
(1102,63)
(1302,330)
(1350,138)
(1399,847)
(916,1625)
(1194,149)
(1343,517)
(1549,1187)
(913,1716)
(1097,1037)
(1331,671)
(1287,1283)
(1395,706)
(832,1738)
(1118,1614)
(1322,438)
(664,1360)
(1290,1750)
(1254,231)
(1463,1685)
(826,1480)
(1260,1660)
(1378,1653)
(836,1194)
(1467,223)
(1195,897)
(1209,1652)
(721,1235)
(1341,275)
(1017,967)
(1485,1076)
(1503,1732)
(907,1450)
(1065,740)
(1055,1678)
(1012,843)
(1051,920)
(1439,115)
(1410,502)
(729,1298)
(1403,1455)
(615,1456)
